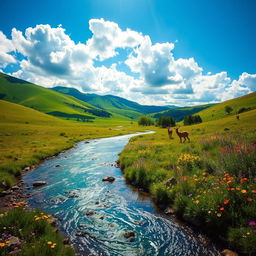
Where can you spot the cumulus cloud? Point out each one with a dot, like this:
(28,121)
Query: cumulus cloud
(6,47)
(153,63)
(51,58)
(107,37)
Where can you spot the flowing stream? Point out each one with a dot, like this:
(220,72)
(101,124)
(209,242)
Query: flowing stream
(74,188)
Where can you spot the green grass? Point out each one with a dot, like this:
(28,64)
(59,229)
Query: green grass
(45,100)
(219,164)
(28,136)
(24,232)
(116,105)
(218,111)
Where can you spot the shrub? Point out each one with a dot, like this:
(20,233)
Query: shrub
(166,121)
(145,121)
(228,109)
(188,120)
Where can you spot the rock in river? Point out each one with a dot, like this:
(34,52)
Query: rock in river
(89,213)
(39,183)
(129,234)
(108,178)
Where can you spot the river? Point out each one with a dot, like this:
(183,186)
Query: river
(74,188)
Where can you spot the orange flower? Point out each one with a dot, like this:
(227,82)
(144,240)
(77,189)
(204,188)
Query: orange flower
(226,201)
(243,191)
(2,244)
(249,199)
(222,208)
(219,214)
(232,189)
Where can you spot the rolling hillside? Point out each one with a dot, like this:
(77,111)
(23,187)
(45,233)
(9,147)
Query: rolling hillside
(45,100)
(179,113)
(244,103)
(112,103)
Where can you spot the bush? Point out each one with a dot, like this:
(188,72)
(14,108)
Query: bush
(188,120)
(228,109)
(145,121)
(166,121)
(241,110)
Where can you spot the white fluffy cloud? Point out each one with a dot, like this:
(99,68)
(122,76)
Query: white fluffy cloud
(107,37)
(6,47)
(52,58)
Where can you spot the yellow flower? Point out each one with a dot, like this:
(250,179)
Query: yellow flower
(49,242)
(197,202)
(243,191)
(52,246)
(7,242)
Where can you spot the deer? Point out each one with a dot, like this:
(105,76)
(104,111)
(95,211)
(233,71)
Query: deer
(182,135)
(170,133)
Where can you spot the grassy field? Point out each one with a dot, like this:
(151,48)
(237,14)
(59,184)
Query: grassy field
(218,111)
(45,100)
(28,136)
(211,179)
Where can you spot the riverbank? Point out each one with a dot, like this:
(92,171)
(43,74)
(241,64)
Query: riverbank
(27,140)
(184,176)
(96,214)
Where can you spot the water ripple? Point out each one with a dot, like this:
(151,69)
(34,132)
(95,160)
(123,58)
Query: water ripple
(75,187)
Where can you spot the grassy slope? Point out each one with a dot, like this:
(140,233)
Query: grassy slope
(179,113)
(42,99)
(218,111)
(27,136)
(149,161)
(113,104)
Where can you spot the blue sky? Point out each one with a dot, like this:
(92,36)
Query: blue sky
(219,36)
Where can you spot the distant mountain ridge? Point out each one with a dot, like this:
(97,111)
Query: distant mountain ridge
(111,103)
(44,100)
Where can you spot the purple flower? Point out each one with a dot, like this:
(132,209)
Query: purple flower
(16,250)
(252,223)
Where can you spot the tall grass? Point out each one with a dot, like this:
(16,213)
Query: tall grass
(25,232)
(215,184)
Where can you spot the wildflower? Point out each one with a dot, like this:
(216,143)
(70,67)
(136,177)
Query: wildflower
(222,208)
(232,189)
(226,201)
(49,242)
(249,199)
(243,191)
(8,242)
(197,202)
(219,214)
(2,244)
(252,223)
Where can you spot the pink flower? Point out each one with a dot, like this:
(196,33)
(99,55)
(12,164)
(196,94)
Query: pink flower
(252,223)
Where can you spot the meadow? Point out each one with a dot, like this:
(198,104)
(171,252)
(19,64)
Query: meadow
(28,136)
(209,182)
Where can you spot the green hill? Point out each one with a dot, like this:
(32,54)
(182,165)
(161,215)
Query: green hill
(45,100)
(112,103)
(241,104)
(179,113)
